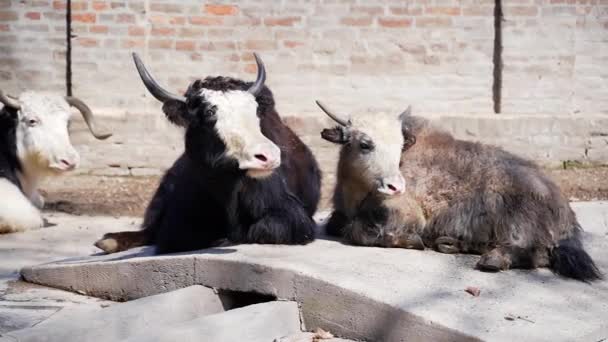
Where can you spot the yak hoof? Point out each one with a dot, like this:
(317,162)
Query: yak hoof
(493,261)
(447,245)
(413,241)
(107,244)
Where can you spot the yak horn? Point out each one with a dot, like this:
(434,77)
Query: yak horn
(9,102)
(87,114)
(407,112)
(334,116)
(159,93)
(257,86)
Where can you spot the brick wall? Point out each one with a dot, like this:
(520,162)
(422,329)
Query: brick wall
(354,54)
(556,56)
(433,54)
(32,46)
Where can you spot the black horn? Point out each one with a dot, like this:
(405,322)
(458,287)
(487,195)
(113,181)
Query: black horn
(257,86)
(333,116)
(9,102)
(156,90)
(87,114)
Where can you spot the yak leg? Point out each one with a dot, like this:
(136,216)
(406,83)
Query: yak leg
(448,245)
(410,241)
(506,257)
(121,241)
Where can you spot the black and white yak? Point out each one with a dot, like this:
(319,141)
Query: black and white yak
(461,197)
(244,177)
(34,144)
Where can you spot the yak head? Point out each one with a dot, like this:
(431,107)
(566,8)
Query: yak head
(371,149)
(40,123)
(222,122)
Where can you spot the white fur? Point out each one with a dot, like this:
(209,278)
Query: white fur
(382,163)
(41,147)
(239,127)
(17,213)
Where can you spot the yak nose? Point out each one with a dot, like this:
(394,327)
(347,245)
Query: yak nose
(67,164)
(392,186)
(264,157)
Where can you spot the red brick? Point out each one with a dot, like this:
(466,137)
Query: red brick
(433,22)
(89,18)
(260,45)
(8,16)
(161,44)
(4,28)
(221,9)
(177,21)
(281,21)
(191,32)
(406,10)
(223,46)
(206,21)
(521,11)
(125,18)
(76,5)
(185,45)
(131,43)
(292,44)
(350,21)
(100,5)
(87,42)
(442,10)
(163,31)
(98,29)
(394,22)
(33,15)
(159,19)
(136,31)
(165,8)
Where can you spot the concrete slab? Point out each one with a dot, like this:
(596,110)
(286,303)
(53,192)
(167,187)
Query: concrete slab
(369,293)
(22,304)
(123,320)
(254,323)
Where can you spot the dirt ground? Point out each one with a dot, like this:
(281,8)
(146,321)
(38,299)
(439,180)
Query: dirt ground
(120,196)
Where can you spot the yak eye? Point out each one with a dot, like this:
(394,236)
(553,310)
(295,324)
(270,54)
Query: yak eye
(32,122)
(365,146)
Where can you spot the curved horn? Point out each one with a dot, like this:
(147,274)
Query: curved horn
(407,112)
(87,114)
(257,86)
(159,93)
(333,116)
(9,102)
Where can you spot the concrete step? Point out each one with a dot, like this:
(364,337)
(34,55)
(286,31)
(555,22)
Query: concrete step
(123,320)
(254,323)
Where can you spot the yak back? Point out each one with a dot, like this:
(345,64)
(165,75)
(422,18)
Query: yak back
(477,191)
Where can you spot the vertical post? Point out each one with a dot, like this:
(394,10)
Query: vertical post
(497,58)
(68,53)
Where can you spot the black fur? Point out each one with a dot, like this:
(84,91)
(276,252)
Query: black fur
(9,162)
(569,259)
(204,197)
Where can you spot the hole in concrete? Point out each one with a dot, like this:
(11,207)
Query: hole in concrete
(238,299)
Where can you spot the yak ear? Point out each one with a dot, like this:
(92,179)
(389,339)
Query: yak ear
(176,112)
(337,135)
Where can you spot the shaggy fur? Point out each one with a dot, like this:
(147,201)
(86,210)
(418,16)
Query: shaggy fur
(474,198)
(205,197)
